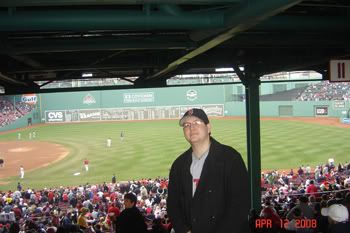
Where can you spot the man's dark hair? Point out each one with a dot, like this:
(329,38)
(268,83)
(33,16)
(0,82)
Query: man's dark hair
(131,197)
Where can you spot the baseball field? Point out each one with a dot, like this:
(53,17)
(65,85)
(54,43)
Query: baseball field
(55,156)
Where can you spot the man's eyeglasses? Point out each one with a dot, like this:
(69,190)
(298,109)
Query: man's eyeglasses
(194,124)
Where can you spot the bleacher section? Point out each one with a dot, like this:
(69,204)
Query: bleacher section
(289,95)
(326,91)
(10,112)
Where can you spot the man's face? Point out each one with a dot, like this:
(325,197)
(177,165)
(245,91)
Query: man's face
(195,130)
(128,204)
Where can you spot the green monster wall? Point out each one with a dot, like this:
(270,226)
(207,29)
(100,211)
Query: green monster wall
(134,98)
(157,103)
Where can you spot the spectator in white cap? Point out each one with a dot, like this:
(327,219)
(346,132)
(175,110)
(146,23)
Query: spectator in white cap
(338,218)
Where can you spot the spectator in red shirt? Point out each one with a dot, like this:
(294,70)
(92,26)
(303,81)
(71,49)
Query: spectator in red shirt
(269,212)
(113,213)
(50,196)
(65,197)
(17,211)
(311,189)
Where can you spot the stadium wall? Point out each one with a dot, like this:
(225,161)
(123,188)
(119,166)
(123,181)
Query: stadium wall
(159,103)
(184,98)
(335,108)
(134,98)
(33,101)
(19,123)
(135,104)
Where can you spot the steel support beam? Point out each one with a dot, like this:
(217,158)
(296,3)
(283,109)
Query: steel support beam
(96,44)
(7,79)
(80,20)
(17,3)
(238,20)
(251,82)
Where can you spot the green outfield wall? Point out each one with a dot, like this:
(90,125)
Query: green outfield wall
(134,98)
(163,103)
(293,109)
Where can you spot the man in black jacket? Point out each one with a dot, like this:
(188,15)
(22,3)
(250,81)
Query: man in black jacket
(208,184)
(130,220)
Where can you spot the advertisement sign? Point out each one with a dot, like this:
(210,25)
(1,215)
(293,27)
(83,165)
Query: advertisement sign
(29,99)
(339,104)
(214,110)
(89,99)
(321,111)
(142,97)
(112,114)
(55,116)
(128,113)
(191,95)
(345,121)
(90,115)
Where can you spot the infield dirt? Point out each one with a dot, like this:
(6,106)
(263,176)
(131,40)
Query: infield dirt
(30,154)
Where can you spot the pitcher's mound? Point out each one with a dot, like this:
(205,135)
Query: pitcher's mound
(30,154)
(21,149)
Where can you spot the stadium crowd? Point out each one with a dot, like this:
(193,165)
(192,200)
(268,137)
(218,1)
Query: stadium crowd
(294,200)
(325,91)
(299,194)
(68,209)
(11,112)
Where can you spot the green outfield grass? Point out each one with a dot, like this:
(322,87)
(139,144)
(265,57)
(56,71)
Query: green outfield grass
(149,148)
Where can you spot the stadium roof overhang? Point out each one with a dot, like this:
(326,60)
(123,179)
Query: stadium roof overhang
(154,40)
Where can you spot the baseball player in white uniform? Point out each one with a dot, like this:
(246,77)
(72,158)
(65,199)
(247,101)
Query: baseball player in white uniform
(109,142)
(21,172)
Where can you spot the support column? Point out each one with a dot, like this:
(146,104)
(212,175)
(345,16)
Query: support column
(251,82)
